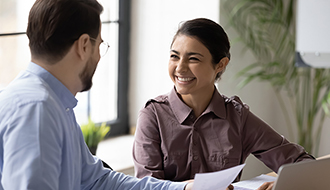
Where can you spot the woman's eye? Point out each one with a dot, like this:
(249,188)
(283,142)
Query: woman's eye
(194,59)
(174,56)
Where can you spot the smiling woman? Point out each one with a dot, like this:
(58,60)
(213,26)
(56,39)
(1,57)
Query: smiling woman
(195,129)
(192,71)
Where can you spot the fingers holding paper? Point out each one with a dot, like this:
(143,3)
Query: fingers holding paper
(230,187)
(266,186)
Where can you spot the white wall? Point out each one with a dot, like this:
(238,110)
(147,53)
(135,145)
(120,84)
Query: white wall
(154,22)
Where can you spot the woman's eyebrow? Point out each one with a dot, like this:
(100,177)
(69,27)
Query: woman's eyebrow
(189,54)
(176,52)
(195,53)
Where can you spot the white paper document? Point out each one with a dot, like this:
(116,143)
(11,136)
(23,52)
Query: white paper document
(253,183)
(216,180)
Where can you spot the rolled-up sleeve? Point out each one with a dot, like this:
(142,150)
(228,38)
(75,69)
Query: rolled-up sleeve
(147,154)
(269,146)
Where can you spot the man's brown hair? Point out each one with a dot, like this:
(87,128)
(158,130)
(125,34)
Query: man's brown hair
(54,25)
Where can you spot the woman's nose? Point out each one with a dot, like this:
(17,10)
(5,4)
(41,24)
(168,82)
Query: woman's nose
(182,66)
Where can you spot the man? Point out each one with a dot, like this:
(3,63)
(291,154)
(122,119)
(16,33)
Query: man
(41,145)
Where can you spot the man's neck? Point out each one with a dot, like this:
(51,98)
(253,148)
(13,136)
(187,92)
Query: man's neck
(64,72)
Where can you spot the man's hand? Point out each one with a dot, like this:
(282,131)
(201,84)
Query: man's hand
(266,186)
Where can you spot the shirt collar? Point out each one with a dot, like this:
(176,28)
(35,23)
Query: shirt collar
(179,108)
(61,91)
(182,111)
(217,105)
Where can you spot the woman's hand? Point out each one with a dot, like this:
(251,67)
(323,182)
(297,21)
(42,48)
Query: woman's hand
(266,186)
(230,187)
(189,185)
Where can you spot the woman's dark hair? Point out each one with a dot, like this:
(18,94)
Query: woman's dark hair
(209,33)
(54,25)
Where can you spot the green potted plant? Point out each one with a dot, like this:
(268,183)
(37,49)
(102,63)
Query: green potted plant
(267,29)
(93,134)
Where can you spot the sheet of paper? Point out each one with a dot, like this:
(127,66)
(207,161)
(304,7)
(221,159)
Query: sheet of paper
(216,180)
(253,183)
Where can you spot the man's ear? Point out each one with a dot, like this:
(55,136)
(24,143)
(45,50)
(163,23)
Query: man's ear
(83,46)
(222,64)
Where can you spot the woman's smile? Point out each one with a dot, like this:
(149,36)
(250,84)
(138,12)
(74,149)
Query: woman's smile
(185,79)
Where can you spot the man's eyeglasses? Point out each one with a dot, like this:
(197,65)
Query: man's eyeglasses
(104,46)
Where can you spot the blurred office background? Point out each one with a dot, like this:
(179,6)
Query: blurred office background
(140,33)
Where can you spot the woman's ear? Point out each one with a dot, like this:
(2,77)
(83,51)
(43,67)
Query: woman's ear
(83,46)
(222,64)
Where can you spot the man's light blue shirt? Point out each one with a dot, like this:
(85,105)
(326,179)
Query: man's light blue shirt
(42,146)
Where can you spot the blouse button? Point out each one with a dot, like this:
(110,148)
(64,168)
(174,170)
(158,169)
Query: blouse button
(195,157)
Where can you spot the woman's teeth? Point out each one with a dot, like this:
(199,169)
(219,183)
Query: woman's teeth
(185,79)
